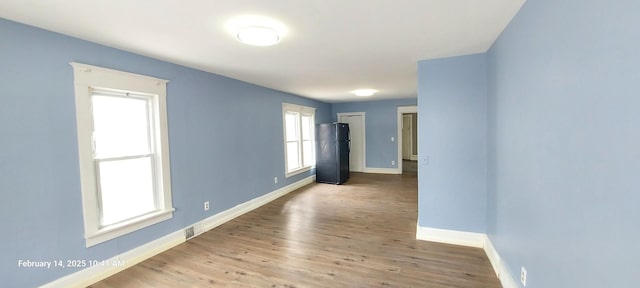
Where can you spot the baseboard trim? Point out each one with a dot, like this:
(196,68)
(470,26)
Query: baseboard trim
(450,237)
(498,266)
(414,158)
(91,275)
(113,265)
(380,170)
(492,254)
(470,239)
(224,216)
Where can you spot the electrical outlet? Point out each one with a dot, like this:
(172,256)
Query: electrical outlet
(523,276)
(206,205)
(275,180)
(393,162)
(393,139)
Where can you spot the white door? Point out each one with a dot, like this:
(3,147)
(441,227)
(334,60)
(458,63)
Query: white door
(407,139)
(356,128)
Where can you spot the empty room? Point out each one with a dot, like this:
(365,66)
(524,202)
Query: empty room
(320,143)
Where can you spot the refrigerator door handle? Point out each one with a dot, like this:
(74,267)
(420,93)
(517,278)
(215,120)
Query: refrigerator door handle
(349,139)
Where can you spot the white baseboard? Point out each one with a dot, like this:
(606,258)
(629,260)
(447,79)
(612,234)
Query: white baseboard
(450,237)
(492,254)
(224,216)
(381,170)
(414,158)
(470,239)
(91,275)
(498,266)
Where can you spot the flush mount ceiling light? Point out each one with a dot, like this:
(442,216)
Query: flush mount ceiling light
(256,30)
(364,92)
(258,36)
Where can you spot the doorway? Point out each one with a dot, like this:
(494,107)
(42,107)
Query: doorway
(357,154)
(407,136)
(407,140)
(409,143)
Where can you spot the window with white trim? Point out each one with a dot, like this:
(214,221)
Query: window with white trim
(299,138)
(123,151)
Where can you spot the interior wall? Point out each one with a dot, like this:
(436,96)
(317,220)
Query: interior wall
(564,143)
(216,155)
(381,125)
(452,104)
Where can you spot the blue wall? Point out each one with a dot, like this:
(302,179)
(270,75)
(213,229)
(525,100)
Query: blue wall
(381,124)
(225,137)
(564,143)
(452,104)
(562,140)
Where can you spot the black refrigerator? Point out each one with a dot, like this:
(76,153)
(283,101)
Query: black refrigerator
(332,153)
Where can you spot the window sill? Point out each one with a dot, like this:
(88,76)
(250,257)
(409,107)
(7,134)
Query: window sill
(119,229)
(299,171)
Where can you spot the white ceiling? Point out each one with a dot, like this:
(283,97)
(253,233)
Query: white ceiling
(332,46)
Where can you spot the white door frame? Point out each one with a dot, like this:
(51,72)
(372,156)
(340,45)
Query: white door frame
(402,110)
(364,135)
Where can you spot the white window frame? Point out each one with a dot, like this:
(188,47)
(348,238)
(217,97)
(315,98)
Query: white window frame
(86,78)
(301,111)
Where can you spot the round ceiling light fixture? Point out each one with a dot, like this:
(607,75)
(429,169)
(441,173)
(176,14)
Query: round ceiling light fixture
(258,36)
(364,92)
(256,30)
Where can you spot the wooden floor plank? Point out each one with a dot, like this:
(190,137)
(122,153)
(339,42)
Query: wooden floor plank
(360,234)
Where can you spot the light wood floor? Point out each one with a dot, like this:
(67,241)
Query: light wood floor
(361,234)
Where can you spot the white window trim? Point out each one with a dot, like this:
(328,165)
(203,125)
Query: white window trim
(86,77)
(302,110)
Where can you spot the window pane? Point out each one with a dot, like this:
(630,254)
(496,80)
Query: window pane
(293,157)
(121,126)
(291,123)
(307,152)
(126,189)
(306,127)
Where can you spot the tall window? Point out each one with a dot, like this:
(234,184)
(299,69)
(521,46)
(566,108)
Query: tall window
(123,149)
(299,123)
